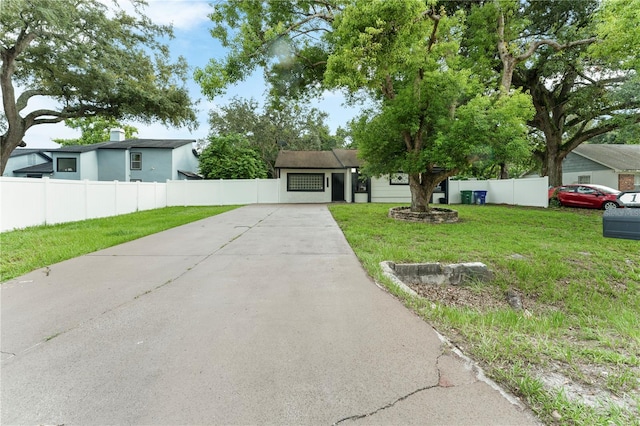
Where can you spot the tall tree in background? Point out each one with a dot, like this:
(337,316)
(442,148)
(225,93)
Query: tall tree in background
(90,61)
(94,130)
(581,82)
(231,157)
(285,126)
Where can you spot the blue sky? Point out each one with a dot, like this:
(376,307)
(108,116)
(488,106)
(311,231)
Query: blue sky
(193,41)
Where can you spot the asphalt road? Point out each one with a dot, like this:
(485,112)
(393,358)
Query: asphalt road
(261,315)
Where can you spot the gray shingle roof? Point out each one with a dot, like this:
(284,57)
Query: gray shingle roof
(335,159)
(617,157)
(80,148)
(148,143)
(129,144)
(38,168)
(26,151)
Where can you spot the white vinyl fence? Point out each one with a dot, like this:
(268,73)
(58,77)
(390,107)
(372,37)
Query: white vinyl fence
(222,192)
(517,192)
(29,202)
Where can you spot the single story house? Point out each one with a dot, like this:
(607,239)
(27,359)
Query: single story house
(616,166)
(31,163)
(333,176)
(131,160)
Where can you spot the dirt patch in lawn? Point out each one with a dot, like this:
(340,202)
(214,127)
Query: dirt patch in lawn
(579,381)
(482,298)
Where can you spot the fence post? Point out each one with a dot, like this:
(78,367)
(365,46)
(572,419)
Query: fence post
(46,200)
(86,199)
(115,197)
(137,196)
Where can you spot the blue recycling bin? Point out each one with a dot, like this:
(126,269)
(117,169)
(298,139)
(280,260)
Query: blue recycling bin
(480,197)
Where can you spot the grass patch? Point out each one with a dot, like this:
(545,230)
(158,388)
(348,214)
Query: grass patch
(28,249)
(582,292)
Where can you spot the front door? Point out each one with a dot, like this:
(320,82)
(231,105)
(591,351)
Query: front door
(337,186)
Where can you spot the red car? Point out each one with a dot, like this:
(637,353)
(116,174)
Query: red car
(589,196)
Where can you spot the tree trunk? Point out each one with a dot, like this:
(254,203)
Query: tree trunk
(420,196)
(8,142)
(553,158)
(422,186)
(504,174)
(554,169)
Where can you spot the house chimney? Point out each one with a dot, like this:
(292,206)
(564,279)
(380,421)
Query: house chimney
(117,135)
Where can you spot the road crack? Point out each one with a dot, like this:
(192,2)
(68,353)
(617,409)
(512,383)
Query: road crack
(440,383)
(373,413)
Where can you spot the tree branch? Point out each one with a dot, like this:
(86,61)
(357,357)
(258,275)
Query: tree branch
(24,97)
(557,46)
(436,20)
(579,138)
(47,121)
(387,88)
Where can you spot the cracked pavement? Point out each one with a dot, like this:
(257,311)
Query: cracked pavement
(261,315)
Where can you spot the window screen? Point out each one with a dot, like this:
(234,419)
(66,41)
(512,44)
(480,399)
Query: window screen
(584,179)
(136,161)
(308,182)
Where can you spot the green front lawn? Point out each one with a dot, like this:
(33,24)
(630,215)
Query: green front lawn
(580,332)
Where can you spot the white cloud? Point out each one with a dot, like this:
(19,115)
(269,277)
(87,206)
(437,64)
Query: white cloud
(182,14)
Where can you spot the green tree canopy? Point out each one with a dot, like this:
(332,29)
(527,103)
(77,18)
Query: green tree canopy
(576,59)
(231,157)
(94,130)
(92,60)
(290,125)
(435,117)
(404,54)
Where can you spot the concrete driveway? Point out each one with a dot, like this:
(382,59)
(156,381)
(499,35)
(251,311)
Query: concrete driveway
(261,315)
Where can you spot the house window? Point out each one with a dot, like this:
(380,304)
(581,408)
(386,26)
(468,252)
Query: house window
(636,183)
(399,179)
(66,165)
(585,180)
(307,182)
(136,161)
(361,183)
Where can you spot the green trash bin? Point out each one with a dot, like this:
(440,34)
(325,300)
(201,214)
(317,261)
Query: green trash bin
(467,197)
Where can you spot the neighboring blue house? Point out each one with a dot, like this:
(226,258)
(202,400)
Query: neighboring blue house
(144,160)
(616,166)
(132,160)
(32,163)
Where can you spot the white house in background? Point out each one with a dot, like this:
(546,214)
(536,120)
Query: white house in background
(616,166)
(32,163)
(333,176)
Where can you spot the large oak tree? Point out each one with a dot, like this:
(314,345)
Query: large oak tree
(577,59)
(91,60)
